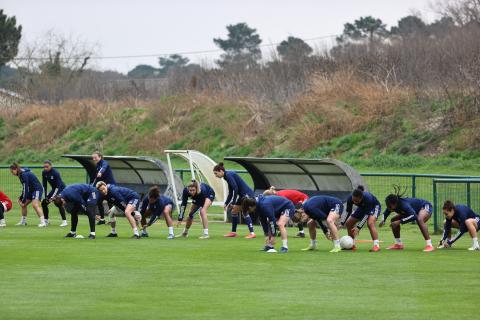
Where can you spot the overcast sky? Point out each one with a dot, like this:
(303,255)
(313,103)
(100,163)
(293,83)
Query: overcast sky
(122,28)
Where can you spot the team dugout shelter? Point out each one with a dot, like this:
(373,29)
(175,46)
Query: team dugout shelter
(311,176)
(134,172)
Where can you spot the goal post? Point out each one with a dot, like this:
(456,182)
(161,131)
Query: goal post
(201,169)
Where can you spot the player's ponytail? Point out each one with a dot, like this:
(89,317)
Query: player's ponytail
(396,196)
(219,167)
(358,192)
(194,184)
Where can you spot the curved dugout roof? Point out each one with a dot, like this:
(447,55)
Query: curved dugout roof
(311,176)
(136,173)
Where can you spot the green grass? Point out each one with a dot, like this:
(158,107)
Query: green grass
(45,276)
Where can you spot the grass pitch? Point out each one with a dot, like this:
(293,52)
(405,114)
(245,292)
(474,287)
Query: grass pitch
(44,276)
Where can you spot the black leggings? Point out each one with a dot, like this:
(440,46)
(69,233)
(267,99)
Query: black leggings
(61,209)
(91,217)
(1,211)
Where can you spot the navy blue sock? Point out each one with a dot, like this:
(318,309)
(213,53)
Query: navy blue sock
(234,223)
(249,222)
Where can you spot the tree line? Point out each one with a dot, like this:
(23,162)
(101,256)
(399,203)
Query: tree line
(441,58)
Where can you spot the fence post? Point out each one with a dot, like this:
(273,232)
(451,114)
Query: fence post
(414,186)
(435,207)
(468,195)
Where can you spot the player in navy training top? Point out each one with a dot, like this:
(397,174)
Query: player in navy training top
(462,218)
(50,176)
(79,198)
(319,209)
(367,210)
(408,210)
(32,192)
(202,196)
(104,173)
(125,200)
(155,205)
(237,191)
(272,211)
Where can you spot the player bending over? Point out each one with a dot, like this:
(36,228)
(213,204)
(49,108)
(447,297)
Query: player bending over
(408,210)
(5,205)
(368,209)
(32,192)
(125,200)
(202,196)
(79,198)
(50,176)
(271,210)
(104,173)
(297,198)
(154,205)
(319,209)
(463,218)
(237,190)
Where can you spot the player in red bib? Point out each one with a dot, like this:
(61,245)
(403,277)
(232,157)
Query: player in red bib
(297,198)
(5,205)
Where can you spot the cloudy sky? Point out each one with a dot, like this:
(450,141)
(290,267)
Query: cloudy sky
(151,27)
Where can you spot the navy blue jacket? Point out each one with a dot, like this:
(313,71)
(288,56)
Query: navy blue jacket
(462,213)
(81,194)
(407,207)
(120,196)
(107,175)
(157,207)
(206,192)
(318,207)
(367,205)
(237,188)
(269,210)
(55,180)
(29,183)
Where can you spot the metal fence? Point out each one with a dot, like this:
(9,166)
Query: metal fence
(460,191)
(432,187)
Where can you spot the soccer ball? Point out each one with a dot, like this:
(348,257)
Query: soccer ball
(346,242)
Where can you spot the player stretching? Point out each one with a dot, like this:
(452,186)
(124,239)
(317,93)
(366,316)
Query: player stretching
(463,218)
(272,210)
(104,173)
(5,205)
(31,193)
(237,190)
(202,196)
(319,209)
(79,198)
(154,205)
(297,197)
(52,176)
(408,210)
(368,209)
(125,200)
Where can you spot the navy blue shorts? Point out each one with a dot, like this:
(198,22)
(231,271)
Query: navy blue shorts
(35,195)
(411,218)
(359,213)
